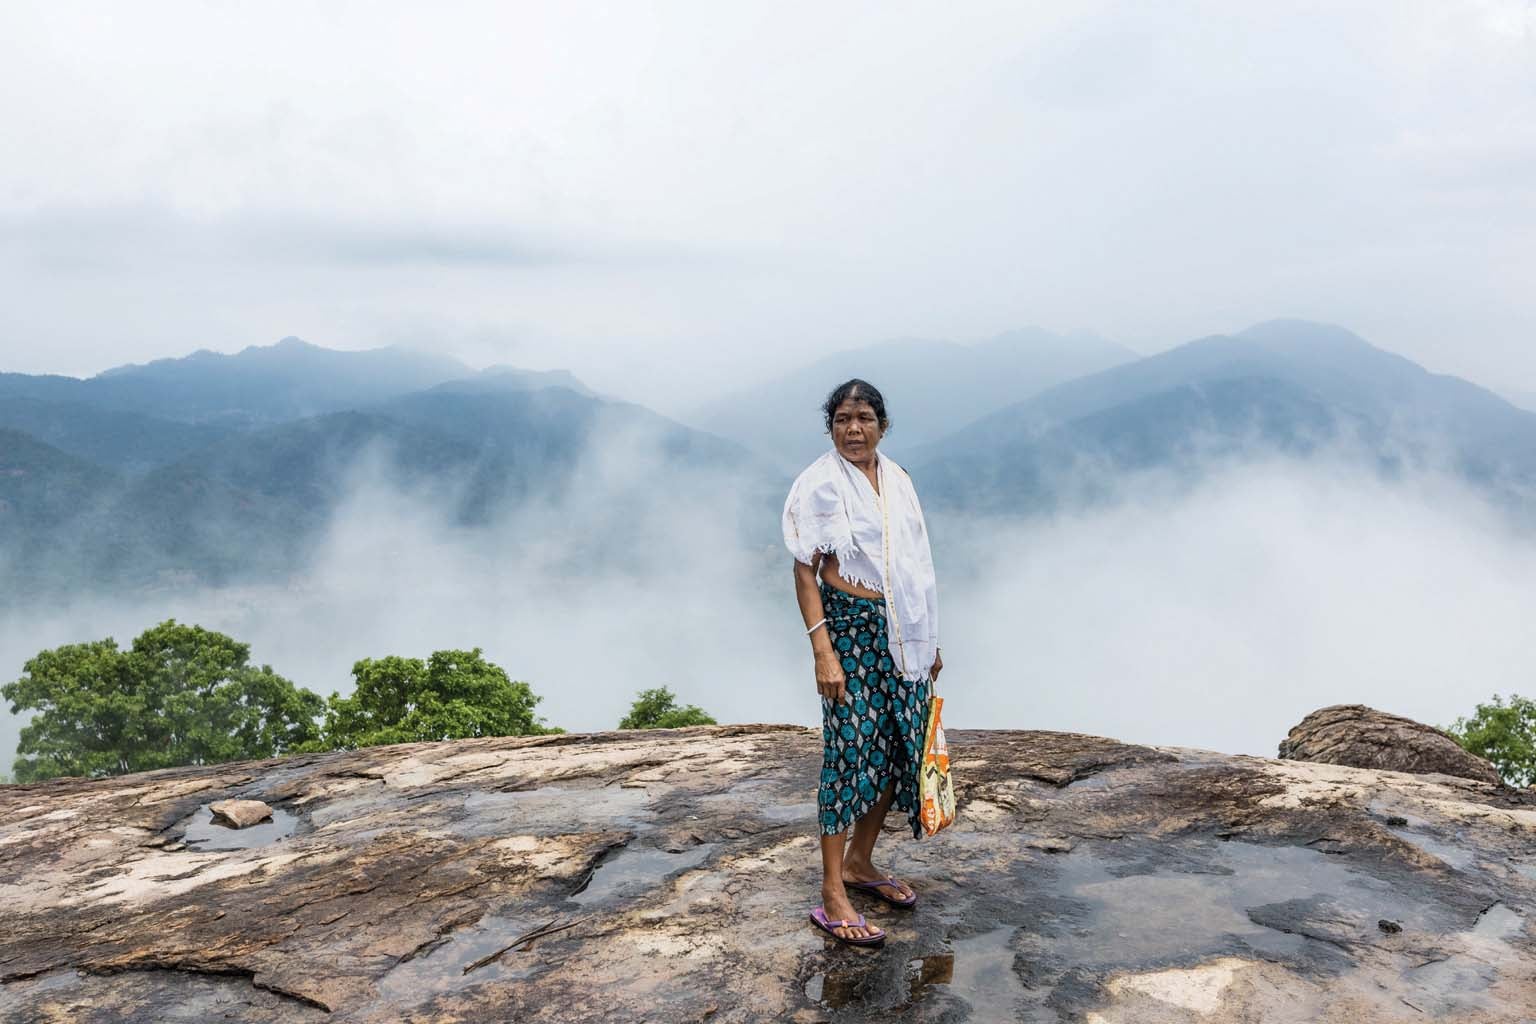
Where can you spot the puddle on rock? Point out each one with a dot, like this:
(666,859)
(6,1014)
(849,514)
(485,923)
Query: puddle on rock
(1498,922)
(1163,914)
(979,970)
(201,833)
(1093,911)
(870,983)
(983,975)
(634,871)
(1461,982)
(450,965)
(1454,856)
(938,969)
(1416,830)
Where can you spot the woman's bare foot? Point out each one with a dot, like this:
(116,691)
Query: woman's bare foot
(835,903)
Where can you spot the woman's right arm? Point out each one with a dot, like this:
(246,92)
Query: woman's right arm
(831,681)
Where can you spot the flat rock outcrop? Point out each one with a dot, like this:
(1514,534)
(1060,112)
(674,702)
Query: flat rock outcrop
(666,876)
(1362,737)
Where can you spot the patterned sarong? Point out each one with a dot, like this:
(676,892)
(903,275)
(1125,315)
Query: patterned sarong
(876,737)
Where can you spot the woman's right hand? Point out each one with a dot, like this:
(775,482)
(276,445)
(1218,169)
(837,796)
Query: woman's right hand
(831,680)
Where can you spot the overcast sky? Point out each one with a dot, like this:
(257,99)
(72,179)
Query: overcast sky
(674,198)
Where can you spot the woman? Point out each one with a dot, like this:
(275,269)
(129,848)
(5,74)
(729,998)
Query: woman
(864,579)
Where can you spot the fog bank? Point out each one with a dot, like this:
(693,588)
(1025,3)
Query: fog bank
(1216,618)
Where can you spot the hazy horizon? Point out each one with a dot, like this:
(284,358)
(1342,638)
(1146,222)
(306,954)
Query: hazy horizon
(682,406)
(667,201)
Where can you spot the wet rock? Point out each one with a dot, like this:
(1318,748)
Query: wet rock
(628,877)
(1362,737)
(1050,844)
(239,813)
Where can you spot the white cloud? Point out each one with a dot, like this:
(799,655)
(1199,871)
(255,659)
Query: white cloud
(832,175)
(1215,618)
(1220,618)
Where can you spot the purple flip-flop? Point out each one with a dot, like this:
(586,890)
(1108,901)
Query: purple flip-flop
(878,888)
(819,917)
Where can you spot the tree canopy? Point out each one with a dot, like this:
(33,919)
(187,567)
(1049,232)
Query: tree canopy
(180,695)
(1504,735)
(658,709)
(452,695)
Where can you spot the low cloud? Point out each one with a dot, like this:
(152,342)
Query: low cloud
(1211,617)
(1218,617)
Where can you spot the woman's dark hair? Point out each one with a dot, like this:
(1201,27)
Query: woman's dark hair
(862,390)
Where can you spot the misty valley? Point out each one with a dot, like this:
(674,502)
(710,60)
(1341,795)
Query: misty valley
(1197,546)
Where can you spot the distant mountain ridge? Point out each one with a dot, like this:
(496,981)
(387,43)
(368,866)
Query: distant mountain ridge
(931,387)
(258,386)
(136,417)
(1282,387)
(123,498)
(1338,365)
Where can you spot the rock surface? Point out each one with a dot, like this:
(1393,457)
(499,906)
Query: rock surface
(626,877)
(1362,737)
(239,813)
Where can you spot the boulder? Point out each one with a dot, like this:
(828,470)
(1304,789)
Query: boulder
(630,877)
(239,813)
(1362,737)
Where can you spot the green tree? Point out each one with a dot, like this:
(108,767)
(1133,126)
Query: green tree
(1504,735)
(453,695)
(658,709)
(180,695)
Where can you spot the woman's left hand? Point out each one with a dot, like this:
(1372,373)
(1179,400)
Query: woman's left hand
(938,666)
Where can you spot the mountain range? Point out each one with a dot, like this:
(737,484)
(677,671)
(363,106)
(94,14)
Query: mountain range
(239,476)
(933,388)
(1285,387)
(258,386)
(218,469)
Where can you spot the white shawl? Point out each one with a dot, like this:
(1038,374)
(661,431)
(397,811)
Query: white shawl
(832,509)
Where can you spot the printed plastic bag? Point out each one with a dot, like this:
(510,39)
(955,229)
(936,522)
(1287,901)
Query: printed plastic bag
(937,789)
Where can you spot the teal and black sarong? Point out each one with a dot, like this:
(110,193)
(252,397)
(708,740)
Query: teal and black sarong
(875,738)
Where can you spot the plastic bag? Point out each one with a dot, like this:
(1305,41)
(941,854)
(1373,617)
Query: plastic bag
(937,788)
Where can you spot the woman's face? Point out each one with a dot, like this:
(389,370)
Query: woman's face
(855,430)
